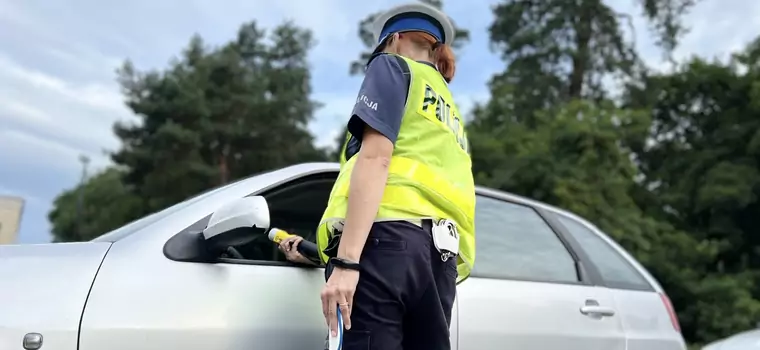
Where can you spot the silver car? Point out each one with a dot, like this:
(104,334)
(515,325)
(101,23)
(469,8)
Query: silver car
(543,279)
(749,340)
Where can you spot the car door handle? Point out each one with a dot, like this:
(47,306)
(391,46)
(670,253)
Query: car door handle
(595,310)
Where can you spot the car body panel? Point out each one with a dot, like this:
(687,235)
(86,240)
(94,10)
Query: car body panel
(646,321)
(44,289)
(502,314)
(155,303)
(143,300)
(644,315)
(202,306)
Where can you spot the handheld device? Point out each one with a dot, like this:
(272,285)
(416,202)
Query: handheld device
(306,248)
(336,342)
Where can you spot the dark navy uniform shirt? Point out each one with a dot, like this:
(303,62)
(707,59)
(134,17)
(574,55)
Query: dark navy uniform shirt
(381,100)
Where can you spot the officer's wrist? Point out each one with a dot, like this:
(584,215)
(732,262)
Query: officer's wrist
(349,255)
(349,249)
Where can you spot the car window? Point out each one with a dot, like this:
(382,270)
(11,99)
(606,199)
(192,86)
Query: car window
(514,242)
(615,269)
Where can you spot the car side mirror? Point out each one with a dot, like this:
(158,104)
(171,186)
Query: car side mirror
(237,223)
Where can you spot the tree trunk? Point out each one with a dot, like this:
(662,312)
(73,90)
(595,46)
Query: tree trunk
(583,32)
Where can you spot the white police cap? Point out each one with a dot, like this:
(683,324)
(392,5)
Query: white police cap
(413,17)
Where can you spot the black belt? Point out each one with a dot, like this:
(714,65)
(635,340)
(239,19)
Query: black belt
(427,225)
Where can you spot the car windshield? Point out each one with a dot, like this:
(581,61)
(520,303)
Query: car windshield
(138,224)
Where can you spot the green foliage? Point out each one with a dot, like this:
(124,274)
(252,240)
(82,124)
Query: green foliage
(369,40)
(218,114)
(559,50)
(106,203)
(723,306)
(703,167)
(665,16)
(572,159)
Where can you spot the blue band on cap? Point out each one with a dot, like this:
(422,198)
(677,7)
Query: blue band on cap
(412,24)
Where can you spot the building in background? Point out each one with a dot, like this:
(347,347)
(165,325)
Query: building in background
(11,209)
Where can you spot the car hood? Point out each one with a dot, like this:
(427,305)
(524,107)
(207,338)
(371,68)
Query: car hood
(43,289)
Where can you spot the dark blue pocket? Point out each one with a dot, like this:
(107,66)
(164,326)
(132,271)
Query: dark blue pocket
(356,340)
(381,243)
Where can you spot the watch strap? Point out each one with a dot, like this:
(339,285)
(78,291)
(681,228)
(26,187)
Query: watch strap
(345,264)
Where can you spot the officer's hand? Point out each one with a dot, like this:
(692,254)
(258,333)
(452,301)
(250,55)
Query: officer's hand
(289,247)
(339,292)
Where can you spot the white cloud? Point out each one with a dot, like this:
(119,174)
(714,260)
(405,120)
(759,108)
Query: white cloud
(332,117)
(78,116)
(28,198)
(26,148)
(720,27)
(715,30)
(94,95)
(23,111)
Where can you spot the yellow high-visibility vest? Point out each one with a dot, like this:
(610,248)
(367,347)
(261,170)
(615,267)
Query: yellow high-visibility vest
(430,173)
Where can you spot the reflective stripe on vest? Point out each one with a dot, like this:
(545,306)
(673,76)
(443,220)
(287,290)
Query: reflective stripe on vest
(419,173)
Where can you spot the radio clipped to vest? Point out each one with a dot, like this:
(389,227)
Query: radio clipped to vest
(446,239)
(336,228)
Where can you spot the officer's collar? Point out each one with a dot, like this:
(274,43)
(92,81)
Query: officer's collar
(385,53)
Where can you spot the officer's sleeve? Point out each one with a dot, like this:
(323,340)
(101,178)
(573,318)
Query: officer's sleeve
(381,100)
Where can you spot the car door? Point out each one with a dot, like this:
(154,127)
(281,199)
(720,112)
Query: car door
(528,290)
(149,302)
(142,299)
(648,318)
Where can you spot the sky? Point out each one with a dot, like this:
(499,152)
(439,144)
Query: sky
(59,98)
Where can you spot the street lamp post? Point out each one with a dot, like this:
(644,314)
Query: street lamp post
(80,192)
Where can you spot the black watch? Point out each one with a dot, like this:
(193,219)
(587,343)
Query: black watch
(345,264)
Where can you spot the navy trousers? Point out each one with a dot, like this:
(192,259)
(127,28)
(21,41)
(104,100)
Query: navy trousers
(405,293)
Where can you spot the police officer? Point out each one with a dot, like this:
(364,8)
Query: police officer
(398,232)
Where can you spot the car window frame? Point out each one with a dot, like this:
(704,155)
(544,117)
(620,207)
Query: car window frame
(586,276)
(138,224)
(201,223)
(555,216)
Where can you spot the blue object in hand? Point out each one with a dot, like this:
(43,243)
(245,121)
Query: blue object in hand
(336,342)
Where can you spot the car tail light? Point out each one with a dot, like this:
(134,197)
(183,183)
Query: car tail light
(671,312)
